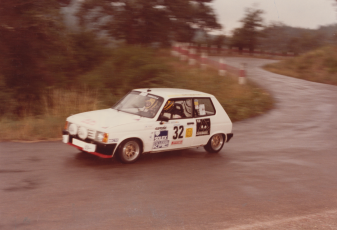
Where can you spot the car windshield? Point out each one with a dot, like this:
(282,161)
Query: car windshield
(140,103)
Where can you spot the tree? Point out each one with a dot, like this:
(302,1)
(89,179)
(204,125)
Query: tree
(37,52)
(247,35)
(305,42)
(219,40)
(31,35)
(275,37)
(238,38)
(283,38)
(149,21)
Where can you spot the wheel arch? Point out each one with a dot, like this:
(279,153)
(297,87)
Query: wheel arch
(129,138)
(219,132)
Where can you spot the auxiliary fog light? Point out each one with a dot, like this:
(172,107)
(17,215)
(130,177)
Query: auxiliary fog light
(73,129)
(82,133)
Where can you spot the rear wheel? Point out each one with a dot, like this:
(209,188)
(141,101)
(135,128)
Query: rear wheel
(129,151)
(215,143)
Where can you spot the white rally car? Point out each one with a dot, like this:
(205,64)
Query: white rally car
(151,120)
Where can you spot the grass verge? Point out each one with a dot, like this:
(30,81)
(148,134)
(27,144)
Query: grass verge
(318,66)
(57,106)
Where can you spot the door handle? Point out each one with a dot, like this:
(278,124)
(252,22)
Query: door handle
(190,123)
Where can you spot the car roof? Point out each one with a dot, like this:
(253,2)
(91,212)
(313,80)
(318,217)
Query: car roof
(173,92)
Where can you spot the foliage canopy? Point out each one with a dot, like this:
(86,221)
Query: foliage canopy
(37,52)
(149,21)
(247,35)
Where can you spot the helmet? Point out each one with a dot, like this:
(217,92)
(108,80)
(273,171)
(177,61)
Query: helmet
(151,103)
(169,106)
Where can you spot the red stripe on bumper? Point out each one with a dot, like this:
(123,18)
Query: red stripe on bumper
(93,153)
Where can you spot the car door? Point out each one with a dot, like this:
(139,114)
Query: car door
(179,129)
(181,133)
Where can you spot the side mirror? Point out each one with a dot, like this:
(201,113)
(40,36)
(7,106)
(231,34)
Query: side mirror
(163,119)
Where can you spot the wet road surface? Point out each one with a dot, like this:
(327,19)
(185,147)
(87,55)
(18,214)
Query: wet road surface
(278,172)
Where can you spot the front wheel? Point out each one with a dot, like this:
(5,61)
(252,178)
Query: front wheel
(215,144)
(129,151)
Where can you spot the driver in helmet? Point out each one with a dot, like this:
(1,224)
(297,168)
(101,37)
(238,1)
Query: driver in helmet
(167,110)
(151,106)
(169,107)
(170,110)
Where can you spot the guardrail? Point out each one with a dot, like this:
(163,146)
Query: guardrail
(215,50)
(185,53)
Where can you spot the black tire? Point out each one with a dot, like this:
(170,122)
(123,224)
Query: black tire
(129,151)
(215,143)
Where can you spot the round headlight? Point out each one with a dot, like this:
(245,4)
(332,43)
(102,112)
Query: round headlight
(73,129)
(82,133)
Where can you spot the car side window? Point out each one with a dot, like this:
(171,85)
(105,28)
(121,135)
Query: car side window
(203,107)
(178,109)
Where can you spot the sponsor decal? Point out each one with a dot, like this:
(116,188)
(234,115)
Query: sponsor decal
(89,148)
(177,142)
(161,139)
(202,110)
(89,122)
(187,94)
(203,127)
(113,140)
(161,128)
(189,132)
(196,104)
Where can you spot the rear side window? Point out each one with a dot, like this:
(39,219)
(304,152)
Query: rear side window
(203,107)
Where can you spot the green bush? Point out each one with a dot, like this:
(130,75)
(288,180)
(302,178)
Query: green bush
(26,77)
(127,68)
(330,63)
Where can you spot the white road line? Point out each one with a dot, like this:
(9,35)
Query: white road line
(264,224)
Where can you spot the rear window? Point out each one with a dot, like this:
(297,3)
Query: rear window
(203,107)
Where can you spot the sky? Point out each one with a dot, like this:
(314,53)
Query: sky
(296,13)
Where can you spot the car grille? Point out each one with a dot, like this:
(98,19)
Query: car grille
(91,134)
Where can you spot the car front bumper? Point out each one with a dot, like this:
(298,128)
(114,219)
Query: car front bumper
(88,145)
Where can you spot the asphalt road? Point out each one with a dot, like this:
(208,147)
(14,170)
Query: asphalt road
(278,172)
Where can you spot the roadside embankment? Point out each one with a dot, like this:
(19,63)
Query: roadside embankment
(127,69)
(318,66)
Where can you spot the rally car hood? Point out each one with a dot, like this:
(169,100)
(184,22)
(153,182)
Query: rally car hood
(103,119)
